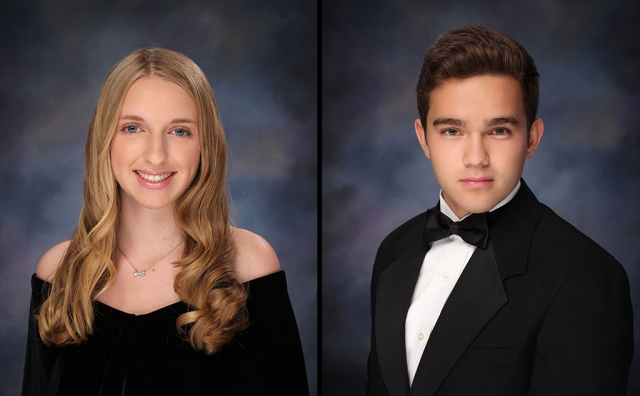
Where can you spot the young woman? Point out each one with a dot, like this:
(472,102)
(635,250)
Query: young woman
(156,293)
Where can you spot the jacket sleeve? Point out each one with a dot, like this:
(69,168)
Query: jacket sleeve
(374,384)
(585,343)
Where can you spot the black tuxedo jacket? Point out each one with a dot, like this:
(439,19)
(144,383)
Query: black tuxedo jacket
(543,310)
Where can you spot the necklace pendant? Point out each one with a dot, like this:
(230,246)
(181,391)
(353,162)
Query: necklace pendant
(140,273)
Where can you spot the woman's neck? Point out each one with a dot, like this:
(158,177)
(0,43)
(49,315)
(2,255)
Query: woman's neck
(144,231)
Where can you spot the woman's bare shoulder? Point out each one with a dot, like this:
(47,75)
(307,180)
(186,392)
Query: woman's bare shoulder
(50,260)
(254,256)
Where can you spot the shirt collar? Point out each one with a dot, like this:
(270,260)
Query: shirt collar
(444,208)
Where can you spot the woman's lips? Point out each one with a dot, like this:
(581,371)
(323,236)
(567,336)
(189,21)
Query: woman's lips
(153,176)
(154,179)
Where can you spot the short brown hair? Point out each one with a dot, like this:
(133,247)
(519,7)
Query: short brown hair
(470,51)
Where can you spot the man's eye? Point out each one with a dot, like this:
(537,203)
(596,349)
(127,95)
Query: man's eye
(180,132)
(131,129)
(451,132)
(500,131)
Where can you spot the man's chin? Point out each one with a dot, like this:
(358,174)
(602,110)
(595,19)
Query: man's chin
(474,207)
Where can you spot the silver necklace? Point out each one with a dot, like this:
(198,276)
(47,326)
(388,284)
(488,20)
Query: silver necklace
(144,272)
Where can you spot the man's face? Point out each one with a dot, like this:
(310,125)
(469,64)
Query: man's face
(476,139)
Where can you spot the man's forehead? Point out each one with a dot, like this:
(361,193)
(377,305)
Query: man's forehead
(488,122)
(477,99)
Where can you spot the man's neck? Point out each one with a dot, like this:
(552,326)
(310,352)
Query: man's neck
(446,209)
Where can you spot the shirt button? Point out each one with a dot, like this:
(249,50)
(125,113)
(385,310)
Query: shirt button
(445,276)
(421,336)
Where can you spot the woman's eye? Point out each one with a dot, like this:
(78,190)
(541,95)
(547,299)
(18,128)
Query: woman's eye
(180,132)
(131,129)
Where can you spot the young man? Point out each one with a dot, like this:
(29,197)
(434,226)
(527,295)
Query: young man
(490,292)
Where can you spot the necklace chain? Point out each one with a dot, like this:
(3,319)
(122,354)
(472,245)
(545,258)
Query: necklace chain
(144,272)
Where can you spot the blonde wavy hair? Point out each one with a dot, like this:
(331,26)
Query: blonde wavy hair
(207,280)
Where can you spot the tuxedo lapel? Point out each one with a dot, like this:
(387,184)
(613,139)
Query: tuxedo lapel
(393,298)
(475,299)
(512,231)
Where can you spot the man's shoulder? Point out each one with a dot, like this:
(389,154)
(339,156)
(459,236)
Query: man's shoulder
(554,229)
(550,235)
(410,228)
(560,248)
(398,240)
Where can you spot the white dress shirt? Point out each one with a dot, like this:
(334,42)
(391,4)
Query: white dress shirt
(441,268)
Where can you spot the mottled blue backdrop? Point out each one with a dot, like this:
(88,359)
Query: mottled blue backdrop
(261,60)
(375,176)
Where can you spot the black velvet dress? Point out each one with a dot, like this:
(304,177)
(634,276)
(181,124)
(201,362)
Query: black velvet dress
(144,355)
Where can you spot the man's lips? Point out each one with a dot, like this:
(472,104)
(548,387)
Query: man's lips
(477,179)
(476,182)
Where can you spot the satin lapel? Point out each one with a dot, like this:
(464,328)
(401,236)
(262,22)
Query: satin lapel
(512,232)
(475,299)
(393,298)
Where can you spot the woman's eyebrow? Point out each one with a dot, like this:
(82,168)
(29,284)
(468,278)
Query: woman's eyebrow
(174,121)
(183,121)
(132,117)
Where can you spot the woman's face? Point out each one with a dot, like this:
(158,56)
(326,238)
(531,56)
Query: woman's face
(155,152)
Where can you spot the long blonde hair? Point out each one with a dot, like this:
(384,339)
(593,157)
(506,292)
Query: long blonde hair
(206,281)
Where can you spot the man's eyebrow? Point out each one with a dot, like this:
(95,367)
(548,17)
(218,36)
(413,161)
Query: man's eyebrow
(174,121)
(501,120)
(449,121)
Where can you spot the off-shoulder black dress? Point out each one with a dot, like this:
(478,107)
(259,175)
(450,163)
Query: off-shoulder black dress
(144,355)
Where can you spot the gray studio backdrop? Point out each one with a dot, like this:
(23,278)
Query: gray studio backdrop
(261,60)
(375,176)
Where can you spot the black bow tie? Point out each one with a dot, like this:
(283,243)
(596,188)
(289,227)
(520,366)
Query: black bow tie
(473,229)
